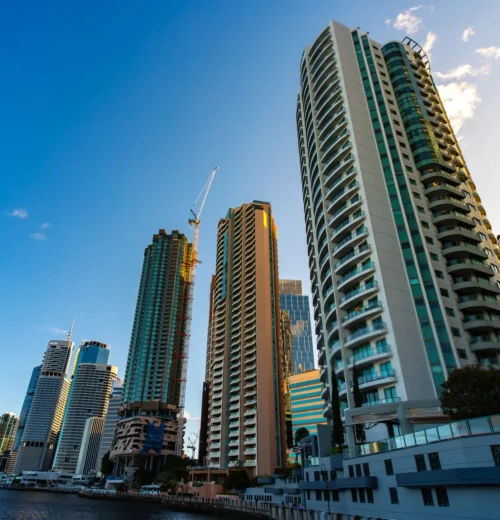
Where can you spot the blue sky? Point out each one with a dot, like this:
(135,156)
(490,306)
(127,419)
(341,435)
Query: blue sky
(114,113)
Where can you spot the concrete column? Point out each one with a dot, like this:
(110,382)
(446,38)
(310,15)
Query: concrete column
(405,425)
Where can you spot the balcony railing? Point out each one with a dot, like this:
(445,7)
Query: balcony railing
(375,376)
(352,254)
(354,272)
(359,232)
(359,290)
(368,353)
(362,310)
(455,430)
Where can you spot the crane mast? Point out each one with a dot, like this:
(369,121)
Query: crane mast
(194,221)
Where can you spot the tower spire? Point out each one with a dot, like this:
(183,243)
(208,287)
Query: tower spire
(70,332)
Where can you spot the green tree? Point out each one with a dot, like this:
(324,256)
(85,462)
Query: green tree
(107,465)
(300,434)
(471,391)
(143,477)
(237,478)
(358,402)
(338,430)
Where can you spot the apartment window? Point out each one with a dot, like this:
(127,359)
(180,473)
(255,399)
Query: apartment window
(393,493)
(354,495)
(362,497)
(409,169)
(477,221)
(466,193)
(439,274)
(335,495)
(307,477)
(416,195)
(442,497)
(318,494)
(316,476)
(495,451)
(420,209)
(389,470)
(308,495)
(489,252)
(326,495)
(435,257)
(396,123)
(444,292)
(483,237)
(351,471)
(358,470)
(450,312)
(455,332)
(420,462)
(429,240)
(427,497)
(425,225)
(385,83)
(366,469)
(434,461)
(471,207)
(461,353)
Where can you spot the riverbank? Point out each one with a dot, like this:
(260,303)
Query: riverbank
(41,490)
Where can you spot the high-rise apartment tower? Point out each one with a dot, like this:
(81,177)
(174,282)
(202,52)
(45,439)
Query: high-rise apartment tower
(403,260)
(153,379)
(46,412)
(246,406)
(91,386)
(297,305)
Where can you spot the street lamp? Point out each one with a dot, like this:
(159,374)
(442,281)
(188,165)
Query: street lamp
(322,465)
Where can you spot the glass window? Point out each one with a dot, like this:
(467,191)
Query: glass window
(425,224)
(351,471)
(455,332)
(420,463)
(361,493)
(429,240)
(434,461)
(442,497)
(335,495)
(318,494)
(369,495)
(393,493)
(495,451)
(434,256)
(354,495)
(420,209)
(450,312)
(366,469)
(444,292)
(358,470)
(388,467)
(427,497)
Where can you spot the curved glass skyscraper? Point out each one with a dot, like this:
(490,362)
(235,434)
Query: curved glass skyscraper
(403,261)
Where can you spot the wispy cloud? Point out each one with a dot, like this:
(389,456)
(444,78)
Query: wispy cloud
(430,40)
(39,237)
(408,21)
(188,417)
(461,101)
(55,330)
(387,21)
(462,71)
(470,31)
(18,213)
(489,52)
(45,225)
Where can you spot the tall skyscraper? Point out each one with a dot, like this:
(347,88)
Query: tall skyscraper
(91,386)
(89,448)
(246,406)
(403,262)
(306,402)
(149,429)
(23,417)
(110,422)
(297,305)
(287,369)
(46,412)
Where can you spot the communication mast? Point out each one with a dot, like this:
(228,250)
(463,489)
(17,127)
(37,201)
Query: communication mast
(185,334)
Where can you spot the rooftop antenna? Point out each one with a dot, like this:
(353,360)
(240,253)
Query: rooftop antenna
(70,332)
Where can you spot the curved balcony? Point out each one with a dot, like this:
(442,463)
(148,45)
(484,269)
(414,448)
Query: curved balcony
(480,322)
(327,410)
(358,294)
(351,258)
(330,311)
(447,203)
(337,170)
(365,334)
(323,374)
(467,266)
(477,302)
(376,379)
(331,115)
(344,210)
(332,328)
(474,285)
(485,344)
(355,275)
(350,241)
(367,357)
(348,225)
(341,183)
(457,249)
(335,347)
(452,218)
(457,233)
(440,176)
(367,311)
(325,392)
(331,127)
(343,195)
(443,190)
(322,357)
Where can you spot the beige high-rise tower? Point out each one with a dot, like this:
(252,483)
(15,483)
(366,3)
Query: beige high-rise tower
(246,417)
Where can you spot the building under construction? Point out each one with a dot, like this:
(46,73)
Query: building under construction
(153,396)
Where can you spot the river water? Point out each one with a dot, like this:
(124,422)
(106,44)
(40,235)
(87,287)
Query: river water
(26,505)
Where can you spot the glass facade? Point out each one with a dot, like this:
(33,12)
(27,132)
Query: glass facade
(297,306)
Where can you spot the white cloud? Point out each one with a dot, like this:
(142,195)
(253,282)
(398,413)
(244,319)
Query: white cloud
(408,21)
(490,52)
(56,330)
(463,70)
(188,417)
(430,40)
(39,237)
(461,101)
(470,31)
(387,21)
(18,213)
(45,225)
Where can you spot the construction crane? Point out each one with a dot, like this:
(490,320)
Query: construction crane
(192,443)
(194,221)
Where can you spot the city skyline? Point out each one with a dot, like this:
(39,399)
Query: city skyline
(113,322)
